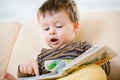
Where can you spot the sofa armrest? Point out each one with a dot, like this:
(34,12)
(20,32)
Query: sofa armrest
(8,35)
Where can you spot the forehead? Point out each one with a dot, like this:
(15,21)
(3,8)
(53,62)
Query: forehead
(54,16)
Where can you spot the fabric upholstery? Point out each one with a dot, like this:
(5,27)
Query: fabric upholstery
(8,35)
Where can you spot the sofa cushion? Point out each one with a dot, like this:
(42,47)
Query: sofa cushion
(8,34)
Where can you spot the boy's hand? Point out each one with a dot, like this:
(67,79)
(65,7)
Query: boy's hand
(29,66)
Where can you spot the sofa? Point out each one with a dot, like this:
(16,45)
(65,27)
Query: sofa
(19,41)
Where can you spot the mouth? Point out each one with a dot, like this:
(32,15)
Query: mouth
(54,41)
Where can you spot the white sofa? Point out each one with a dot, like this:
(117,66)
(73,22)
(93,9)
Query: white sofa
(20,41)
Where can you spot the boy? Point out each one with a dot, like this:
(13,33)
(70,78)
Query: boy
(59,20)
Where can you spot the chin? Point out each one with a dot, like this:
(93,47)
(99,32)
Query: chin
(55,47)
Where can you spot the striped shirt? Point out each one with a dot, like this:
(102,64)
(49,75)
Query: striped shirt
(68,52)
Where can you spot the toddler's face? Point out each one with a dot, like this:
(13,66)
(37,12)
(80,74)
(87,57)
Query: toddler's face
(58,29)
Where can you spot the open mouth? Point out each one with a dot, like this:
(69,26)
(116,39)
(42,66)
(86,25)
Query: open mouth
(53,40)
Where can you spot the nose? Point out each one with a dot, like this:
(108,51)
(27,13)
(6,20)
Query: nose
(52,31)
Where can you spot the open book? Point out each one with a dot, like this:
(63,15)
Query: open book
(96,54)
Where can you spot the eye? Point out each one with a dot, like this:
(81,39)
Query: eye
(46,29)
(59,26)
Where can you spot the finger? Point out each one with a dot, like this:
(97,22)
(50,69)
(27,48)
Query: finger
(36,70)
(21,69)
(31,70)
(33,73)
(25,70)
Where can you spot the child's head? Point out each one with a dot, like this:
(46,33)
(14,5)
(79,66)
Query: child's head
(59,20)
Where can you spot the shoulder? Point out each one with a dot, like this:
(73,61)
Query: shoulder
(82,44)
(44,52)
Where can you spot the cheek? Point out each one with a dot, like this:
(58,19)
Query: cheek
(45,36)
(65,35)
(61,34)
(46,40)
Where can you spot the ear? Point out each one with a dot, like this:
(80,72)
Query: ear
(76,26)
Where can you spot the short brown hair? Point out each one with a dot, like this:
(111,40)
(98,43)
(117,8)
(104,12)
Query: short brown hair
(69,6)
